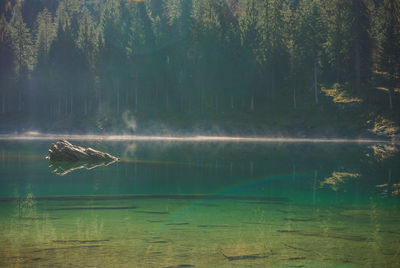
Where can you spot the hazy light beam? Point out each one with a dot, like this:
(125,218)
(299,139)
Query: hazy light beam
(149,138)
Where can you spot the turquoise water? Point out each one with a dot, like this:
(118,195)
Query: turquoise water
(202,204)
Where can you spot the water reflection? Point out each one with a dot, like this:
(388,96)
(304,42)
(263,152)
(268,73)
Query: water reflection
(63,167)
(202,205)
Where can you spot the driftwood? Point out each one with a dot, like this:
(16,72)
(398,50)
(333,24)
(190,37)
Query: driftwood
(64,151)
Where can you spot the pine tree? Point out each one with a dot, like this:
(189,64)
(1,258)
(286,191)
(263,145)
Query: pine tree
(390,46)
(23,48)
(308,38)
(22,44)
(45,34)
(5,63)
(360,42)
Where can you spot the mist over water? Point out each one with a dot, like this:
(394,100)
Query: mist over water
(189,138)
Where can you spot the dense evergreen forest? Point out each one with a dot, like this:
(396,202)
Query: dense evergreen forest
(229,65)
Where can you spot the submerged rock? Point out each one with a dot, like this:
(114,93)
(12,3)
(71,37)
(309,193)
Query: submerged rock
(65,151)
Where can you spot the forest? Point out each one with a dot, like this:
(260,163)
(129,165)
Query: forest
(259,66)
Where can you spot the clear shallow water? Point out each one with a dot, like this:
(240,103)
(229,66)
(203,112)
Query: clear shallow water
(191,204)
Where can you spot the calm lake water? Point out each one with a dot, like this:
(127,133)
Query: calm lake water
(202,204)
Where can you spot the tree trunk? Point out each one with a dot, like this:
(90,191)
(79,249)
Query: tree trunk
(202,100)
(86,107)
(118,100)
(136,93)
(66,105)
(19,100)
(100,101)
(232,103)
(136,100)
(272,83)
(72,105)
(391,92)
(315,83)
(294,99)
(358,72)
(216,103)
(3,104)
(252,103)
(167,101)
(59,107)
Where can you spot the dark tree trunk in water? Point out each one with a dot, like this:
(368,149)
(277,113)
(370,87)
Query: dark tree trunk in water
(315,83)
(252,103)
(232,103)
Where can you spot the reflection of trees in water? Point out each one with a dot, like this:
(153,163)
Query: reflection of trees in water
(26,206)
(27,226)
(338,179)
(382,152)
(87,228)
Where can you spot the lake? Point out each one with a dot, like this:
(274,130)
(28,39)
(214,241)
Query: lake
(210,203)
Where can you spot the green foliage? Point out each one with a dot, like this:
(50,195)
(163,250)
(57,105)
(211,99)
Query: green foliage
(45,34)
(22,44)
(202,58)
